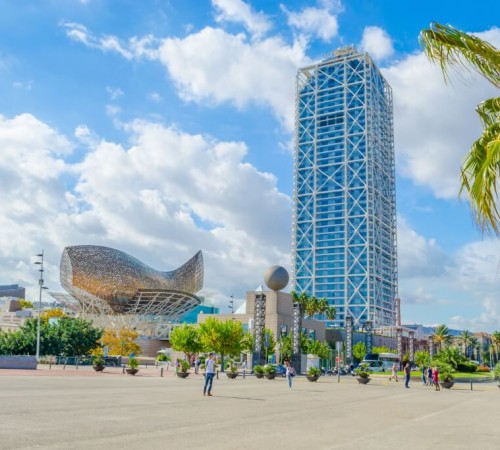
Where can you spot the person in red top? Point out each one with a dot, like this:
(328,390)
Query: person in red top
(435,378)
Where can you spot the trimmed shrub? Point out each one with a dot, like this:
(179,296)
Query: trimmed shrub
(466,367)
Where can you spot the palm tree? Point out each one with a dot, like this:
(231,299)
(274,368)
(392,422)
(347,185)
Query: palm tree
(310,305)
(442,336)
(474,345)
(465,339)
(495,340)
(452,48)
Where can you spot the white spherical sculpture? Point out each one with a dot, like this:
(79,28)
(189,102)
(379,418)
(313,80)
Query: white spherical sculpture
(276,278)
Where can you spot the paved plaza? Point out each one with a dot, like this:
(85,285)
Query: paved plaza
(56,409)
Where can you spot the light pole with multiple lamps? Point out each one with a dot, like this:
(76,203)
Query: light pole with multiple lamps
(42,287)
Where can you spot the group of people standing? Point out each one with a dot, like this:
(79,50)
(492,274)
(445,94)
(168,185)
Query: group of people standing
(430,377)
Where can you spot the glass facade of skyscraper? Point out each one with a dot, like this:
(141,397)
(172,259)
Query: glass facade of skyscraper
(344,230)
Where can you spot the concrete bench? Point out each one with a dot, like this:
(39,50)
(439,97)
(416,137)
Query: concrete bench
(18,362)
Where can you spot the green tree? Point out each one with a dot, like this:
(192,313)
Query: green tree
(310,305)
(442,336)
(422,358)
(26,304)
(495,340)
(465,340)
(452,48)
(248,342)
(382,349)
(318,348)
(71,337)
(121,341)
(222,337)
(451,356)
(359,351)
(475,347)
(186,338)
(286,349)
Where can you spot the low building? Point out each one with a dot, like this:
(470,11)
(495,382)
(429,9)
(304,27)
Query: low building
(278,315)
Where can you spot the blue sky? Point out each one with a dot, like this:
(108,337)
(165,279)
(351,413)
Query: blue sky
(164,127)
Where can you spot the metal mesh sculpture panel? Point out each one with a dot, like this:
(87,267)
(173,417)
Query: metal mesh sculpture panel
(105,281)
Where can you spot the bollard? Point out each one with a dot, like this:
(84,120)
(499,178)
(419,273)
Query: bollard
(217,374)
(146,365)
(471,384)
(123,371)
(243,373)
(50,366)
(161,372)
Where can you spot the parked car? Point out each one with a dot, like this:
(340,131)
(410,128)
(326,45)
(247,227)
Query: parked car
(280,369)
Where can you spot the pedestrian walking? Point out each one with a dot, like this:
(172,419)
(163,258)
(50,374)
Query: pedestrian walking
(209,374)
(407,371)
(394,372)
(435,378)
(196,364)
(424,375)
(290,373)
(429,376)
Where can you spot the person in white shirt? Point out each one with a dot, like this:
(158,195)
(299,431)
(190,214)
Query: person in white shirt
(290,373)
(209,374)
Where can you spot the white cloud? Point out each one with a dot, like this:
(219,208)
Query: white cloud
(161,198)
(114,93)
(377,43)
(418,256)
(135,48)
(154,97)
(435,124)
(26,85)
(230,69)
(318,22)
(240,12)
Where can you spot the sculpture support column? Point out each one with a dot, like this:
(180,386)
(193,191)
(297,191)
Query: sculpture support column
(258,326)
(369,335)
(348,339)
(296,329)
(412,346)
(399,337)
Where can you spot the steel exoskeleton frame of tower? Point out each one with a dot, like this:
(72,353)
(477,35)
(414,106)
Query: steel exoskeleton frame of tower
(344,221)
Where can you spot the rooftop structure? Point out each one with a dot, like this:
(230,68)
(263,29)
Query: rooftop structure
(12,290)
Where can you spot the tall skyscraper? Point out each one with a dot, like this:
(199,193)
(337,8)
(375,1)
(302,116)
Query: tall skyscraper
(344,223)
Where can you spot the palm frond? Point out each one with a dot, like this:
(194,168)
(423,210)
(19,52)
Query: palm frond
(450,47)
(480,174)
(489,111)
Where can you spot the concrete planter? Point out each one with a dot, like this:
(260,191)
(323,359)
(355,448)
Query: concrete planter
(132,371)
(18,362)
(270,376)
(312,378)
(182,374)
(231,375)
(98,368)
(261,375)
(363,380)
(447,384)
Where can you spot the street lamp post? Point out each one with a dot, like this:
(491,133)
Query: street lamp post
(42,287)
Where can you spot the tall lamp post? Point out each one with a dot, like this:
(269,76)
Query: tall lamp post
(42,287)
